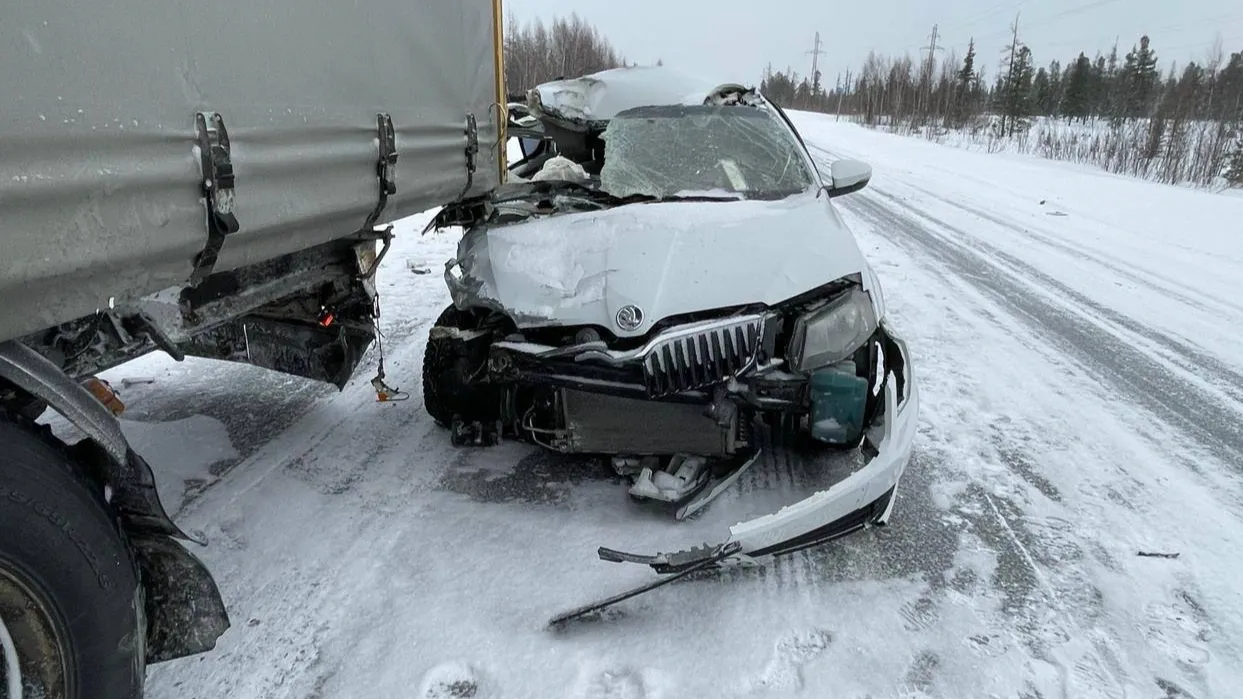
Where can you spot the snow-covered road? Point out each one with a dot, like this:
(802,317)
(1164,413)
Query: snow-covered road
(1082,373)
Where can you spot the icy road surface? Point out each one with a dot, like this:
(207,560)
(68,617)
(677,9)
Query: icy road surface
(1081,361)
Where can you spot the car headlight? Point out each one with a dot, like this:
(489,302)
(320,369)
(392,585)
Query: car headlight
(829,334)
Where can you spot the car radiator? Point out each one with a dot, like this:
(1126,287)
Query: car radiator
(602,424)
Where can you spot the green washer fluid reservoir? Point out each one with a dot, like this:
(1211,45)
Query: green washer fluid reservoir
(838,400)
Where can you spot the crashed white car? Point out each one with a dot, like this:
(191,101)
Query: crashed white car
(664,274)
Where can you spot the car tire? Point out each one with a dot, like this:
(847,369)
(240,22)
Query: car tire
(69,588)
(440,369)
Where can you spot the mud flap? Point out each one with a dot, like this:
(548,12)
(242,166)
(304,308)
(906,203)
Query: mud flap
(184,610)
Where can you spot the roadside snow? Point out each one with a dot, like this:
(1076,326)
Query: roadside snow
(186,449)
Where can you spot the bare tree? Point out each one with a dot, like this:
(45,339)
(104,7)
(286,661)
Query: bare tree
(569,47)
(1123,116)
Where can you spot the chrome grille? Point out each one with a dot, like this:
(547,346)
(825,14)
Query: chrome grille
(702,354)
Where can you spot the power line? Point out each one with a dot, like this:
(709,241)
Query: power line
(1052,18)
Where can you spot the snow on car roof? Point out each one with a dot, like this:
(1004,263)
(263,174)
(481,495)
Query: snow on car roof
(600,96)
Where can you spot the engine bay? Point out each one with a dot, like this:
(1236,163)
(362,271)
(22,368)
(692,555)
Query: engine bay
(692,385)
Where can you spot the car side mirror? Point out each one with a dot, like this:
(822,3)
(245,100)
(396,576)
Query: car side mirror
(848,176)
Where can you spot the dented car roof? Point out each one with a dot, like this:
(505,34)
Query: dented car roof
(600,96)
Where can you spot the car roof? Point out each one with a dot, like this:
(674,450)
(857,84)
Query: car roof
(600,96)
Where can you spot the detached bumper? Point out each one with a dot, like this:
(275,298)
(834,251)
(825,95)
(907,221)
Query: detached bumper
(865,497)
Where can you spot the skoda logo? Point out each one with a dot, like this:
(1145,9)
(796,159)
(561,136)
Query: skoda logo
(629,317)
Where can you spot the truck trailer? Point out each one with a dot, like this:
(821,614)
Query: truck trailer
(201,179)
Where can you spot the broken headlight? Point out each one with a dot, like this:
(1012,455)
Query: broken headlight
(833,332)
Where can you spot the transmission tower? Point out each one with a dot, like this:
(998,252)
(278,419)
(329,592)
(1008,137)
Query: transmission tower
(815,67)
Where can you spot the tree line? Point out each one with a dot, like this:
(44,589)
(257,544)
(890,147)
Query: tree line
(569,47)
(1173,126)
(1176,125)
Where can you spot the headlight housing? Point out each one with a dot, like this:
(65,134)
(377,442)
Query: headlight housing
(833,332)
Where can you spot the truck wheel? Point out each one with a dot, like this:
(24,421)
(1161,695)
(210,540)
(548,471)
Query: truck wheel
(71,607)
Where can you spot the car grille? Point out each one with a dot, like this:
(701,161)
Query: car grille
(702,355)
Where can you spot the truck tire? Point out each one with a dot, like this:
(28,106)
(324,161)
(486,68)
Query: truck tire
(70,598)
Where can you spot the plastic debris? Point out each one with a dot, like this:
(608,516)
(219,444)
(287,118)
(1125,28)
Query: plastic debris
(1153,554)
(103,392)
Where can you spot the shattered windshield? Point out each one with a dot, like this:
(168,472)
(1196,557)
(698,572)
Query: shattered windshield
(672,151)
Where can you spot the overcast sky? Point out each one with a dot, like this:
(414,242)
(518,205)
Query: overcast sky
(740,37)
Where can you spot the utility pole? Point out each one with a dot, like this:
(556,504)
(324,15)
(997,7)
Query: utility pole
(815,67)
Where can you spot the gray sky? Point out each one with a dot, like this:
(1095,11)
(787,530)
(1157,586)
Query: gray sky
(740,38)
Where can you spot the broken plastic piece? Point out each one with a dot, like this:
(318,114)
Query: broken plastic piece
(103,392)
(385,393)
(710,558)
(1154,554)
(474,433)
(707,495)
(631,465)
(685,476)
(668,562)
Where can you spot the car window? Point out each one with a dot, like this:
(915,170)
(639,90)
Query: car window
(680,150)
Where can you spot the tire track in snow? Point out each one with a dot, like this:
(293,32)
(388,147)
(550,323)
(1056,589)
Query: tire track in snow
(1190,358)
(1143,277)
(1170,287)
(1090,657)
(1202,417)
(1049,597)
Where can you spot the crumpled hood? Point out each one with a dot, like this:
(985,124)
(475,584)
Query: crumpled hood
(667,259)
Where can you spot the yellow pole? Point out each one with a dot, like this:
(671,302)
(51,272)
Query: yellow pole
(498,20)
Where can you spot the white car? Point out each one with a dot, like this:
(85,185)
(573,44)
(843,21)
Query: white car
(665,273)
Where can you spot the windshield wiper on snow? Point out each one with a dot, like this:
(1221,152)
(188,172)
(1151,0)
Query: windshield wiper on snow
(650,199)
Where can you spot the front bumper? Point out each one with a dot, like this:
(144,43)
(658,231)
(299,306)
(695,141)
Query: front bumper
(865,497)
(821,517)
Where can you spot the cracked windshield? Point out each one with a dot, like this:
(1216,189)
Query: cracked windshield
(671,151)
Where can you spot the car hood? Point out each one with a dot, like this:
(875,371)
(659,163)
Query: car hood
(666,258)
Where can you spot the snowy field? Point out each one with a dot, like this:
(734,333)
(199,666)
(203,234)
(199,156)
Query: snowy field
(1195,153)
(1077,339)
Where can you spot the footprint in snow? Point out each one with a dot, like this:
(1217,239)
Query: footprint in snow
(453,680)
(1174,630)
(622,683)
(784,671)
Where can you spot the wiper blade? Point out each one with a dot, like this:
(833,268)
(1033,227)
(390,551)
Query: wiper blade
(649,199)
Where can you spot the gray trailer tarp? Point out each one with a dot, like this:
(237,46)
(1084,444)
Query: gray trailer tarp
(101,197)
